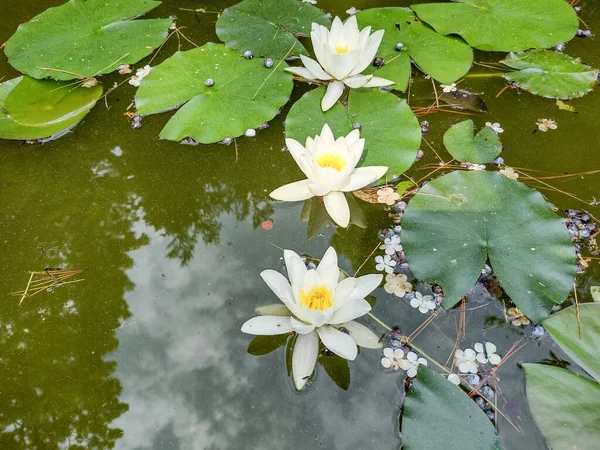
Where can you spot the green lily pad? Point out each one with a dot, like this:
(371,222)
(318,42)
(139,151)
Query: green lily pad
(445,58)
(503,25)
(263,345)
(35,109)
(392,132)
(550,74)
(85,38)
(269,27)
(245,93)
(458,422)
(462,143)
(457,221)
(564,330)
(337,369)
(564,406)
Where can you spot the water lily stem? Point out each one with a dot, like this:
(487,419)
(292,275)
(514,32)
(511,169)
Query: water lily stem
(372,316)
(483,75)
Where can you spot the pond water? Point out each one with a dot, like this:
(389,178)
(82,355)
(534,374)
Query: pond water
(147,352)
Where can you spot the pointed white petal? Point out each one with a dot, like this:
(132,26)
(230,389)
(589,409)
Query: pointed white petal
(329,258)
(319,190)
(275,309)
(337,207)
(362,335)
(296,149)
(295,267)
(267,325)
(368,52)
(350,310)
(326,134)
(302,72)
(357,81)
(304,358)
(315,68)
(343,291)
(366,284)
(293,192)
(378,82)
(363,176)
(335,89)
(339,343)
(329,276)
(301,327)
(282,289)
(352,137)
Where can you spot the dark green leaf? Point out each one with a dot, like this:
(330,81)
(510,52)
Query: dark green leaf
(262,345)
(462,143)
(337,369)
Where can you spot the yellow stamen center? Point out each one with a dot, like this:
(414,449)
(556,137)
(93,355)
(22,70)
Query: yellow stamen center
(341,49)
(319,298)
(333,160)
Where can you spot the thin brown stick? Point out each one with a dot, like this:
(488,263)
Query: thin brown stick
(368,257)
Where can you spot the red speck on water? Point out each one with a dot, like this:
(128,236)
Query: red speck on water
(267,226)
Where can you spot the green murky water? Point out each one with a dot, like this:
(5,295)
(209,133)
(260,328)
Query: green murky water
(146,352)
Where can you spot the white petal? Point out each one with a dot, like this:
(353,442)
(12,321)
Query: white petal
(326,134)
(350,310)
(464,367)
(293,192)
(301,72)
(295,267)
(366,284)
(339,343)
(386,363)
(490,348)
(344,290)
(368,52)
(378,82)
(319,190)
(296,149)
(362,335)
(329,258)
(282,289)
(337,207)
(304,358)
(315,68)
(267,325)
(329,276)
(412,372)
(454,379)
(335,89)
(412,357)
(398,353)
(388,352)
(495,359)
(469,353)
(352,137)
(478,347)
(276,309)
(301,327)
(357,81)
(414,302)
(363,176)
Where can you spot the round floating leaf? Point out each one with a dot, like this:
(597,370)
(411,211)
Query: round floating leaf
(392,132)
(85,38)
(550,74)
(269,27)
(564,330)
(462,143)
(455,222)
(338,370)
(564,406)
(503,25)
(35,109)
(458,423)
(245,93)
(263,345)
(445,58)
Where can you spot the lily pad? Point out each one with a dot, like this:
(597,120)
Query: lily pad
(85,38)
(445,58)
(459,220)
(269,27)
(263,345)
(564,406)
(550,74)
(564,330)
(245,93)
(503,25)
(462,143)
(35,109)
(458,422)
(392,132)
(337,369)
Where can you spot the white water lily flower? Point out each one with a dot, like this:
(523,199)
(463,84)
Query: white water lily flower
(411,364)
(454,379)
(385,263)
(330,167)
(425,303)
(397,284)
(466,360)
(494,126)
(318,306)
(391,245)
(490,350)
(140,74)
(392,358)
(342,54)
(447,88)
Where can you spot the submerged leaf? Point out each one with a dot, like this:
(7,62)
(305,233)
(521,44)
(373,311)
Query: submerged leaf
(338,370)
(262,345)
(458,422)
(269,27)
(85,38)
(503,25)
(35,109)
(564,406)
(445,58)
(391,131)
(550,74)
(455,222)
(462,143)
(243,94)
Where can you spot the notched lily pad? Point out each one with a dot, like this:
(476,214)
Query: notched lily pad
(550,74)
(503,25)
(392,132)
(244,93)
(85,38)
(447,242)
(269,27)
(464,145)
(445,58)
(35,109)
